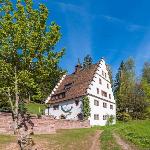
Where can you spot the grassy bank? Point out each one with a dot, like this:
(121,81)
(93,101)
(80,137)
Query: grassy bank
(107,140)
(35,108)
(134,132)
(74,139)
(137,132)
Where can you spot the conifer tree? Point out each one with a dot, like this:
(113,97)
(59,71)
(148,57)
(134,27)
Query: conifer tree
(87,61)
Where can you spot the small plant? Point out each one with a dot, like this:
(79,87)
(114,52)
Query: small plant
(110,120)
(39,115)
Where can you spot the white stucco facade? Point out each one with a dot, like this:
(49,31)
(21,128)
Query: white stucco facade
(93,95)
(69,109)
(101,98)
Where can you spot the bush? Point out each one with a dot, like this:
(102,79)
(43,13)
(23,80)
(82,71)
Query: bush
(124,117)
(110,120)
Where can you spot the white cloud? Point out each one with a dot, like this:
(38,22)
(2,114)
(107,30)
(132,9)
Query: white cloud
(128,25)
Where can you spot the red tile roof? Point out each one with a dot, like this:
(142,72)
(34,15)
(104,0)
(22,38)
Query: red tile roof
(74,85)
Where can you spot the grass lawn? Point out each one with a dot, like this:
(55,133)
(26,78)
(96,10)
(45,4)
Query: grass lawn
(134,132)
(35,108)
(107,140)
(75,139)
(5,140)
(137,132)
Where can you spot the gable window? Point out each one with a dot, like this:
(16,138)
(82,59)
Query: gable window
(96,116)
(104,93)
(96,102)
(109,96)
(105,117)
(77,102)
(100,81)
(111,106)
(102,72)
(56,107)
(107,86)
(97,90)
(105,105)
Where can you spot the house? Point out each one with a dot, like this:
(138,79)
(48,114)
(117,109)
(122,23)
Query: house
(65,101)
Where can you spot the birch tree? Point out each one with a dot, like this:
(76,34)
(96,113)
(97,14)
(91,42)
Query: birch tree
(28,59)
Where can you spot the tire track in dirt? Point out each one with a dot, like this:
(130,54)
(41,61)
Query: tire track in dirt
(96,141)
(123,144)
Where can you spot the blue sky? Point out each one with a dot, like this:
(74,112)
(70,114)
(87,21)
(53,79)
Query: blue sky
(113,29)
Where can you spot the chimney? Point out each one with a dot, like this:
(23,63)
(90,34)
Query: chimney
(78,67)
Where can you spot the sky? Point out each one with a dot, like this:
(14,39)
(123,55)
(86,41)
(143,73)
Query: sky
(113,29)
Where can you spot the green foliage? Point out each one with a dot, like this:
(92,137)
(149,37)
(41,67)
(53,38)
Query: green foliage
(86,107)
(28,59)
(87,61)
(129,93)
(124,116)
(35,108)
(137,132)
(110,120)
(107,140)
(146,72)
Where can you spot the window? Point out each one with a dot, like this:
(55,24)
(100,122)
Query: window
(67,86)
(58,96)
(96,117)
(111,106)
(107,85)
(104,93)
(96,102)
(97,90)
(100,81)
(105,105)
(77,102)
(102,72)
(105,75)
(105,117)
(109,96)
(56,107)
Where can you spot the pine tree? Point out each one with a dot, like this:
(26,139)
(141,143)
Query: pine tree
(146,72)
(123,88)
(87,61)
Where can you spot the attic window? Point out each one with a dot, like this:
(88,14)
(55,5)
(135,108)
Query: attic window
(58,96)
(67,86)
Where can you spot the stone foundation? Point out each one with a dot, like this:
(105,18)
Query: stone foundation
(44,125)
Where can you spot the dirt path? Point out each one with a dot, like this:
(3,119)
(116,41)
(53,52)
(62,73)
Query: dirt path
(96,141)
(123,144)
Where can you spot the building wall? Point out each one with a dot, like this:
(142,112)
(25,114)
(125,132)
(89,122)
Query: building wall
(93,95)
(66,106)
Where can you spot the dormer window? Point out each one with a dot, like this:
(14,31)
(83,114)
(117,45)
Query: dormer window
(58,96)
(67,86)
